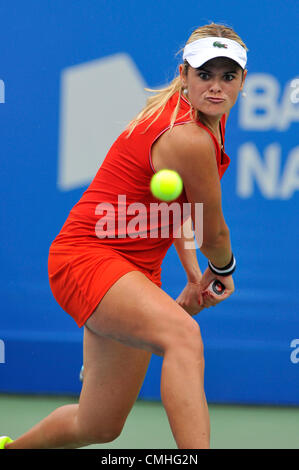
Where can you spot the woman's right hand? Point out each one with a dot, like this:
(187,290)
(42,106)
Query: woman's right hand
(206,297)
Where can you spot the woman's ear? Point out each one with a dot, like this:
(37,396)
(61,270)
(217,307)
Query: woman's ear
(243,79)
(183,75)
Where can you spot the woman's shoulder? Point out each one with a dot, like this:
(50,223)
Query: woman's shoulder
(191,137)
(182,145)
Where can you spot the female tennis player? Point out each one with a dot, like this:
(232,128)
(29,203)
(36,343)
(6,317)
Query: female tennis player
(108,278)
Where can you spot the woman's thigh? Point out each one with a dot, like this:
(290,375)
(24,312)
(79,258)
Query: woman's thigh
(138,313)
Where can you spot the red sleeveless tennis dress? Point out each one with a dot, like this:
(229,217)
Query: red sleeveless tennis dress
(109,231)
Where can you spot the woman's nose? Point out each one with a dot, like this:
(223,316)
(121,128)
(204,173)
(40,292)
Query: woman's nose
(215,86)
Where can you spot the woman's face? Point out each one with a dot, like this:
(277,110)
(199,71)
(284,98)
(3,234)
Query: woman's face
(219,78)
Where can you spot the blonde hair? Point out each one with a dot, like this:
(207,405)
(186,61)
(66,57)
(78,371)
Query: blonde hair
(161,97)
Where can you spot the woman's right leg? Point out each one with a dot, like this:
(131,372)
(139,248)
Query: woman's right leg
(113,375)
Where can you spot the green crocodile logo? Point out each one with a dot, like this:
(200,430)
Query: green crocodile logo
(219,44)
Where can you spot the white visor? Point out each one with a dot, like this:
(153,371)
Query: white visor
(200,51)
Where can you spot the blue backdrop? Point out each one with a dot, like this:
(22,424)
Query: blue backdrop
(65,65)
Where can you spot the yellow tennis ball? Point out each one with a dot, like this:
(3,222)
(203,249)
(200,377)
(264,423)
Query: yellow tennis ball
(166,185)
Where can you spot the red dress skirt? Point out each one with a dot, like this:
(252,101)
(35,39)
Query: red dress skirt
(79,278)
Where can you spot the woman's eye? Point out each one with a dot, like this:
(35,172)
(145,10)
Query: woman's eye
(229,77)
(203,75)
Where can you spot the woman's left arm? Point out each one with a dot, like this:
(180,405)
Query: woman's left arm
(192,298)
(186,250)
(185,246)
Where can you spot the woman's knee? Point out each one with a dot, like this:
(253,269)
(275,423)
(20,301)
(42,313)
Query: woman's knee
(185,338)
(109,434)
(99,432)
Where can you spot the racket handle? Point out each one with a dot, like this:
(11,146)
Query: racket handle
(216,287)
